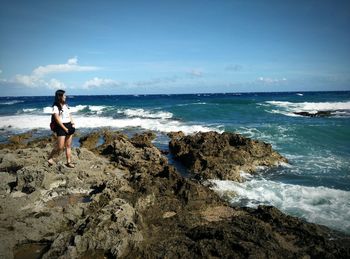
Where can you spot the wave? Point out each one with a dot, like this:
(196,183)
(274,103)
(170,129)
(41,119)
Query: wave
(188,104)
(319,205)
(339,109)
(97,109)
(11,102)
(145,114)
(29,110)
(27,122)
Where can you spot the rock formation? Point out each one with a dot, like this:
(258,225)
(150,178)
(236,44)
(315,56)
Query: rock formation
(211,155)
(124,200)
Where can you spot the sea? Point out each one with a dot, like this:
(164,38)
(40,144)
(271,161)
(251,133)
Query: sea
(314,185)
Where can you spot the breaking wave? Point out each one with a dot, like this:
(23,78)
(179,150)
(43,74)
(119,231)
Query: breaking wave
(321,205)
(339,109)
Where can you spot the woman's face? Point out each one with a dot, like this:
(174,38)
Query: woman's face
(62,98)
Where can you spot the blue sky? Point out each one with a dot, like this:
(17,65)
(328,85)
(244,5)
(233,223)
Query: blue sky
(165,46)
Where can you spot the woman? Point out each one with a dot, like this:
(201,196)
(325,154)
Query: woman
(64,128)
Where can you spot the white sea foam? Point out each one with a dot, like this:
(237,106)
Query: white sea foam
(47,110)
(11,102)
(26,122)
(77,108)
(187,104)
(97,108)
(74,109)
(319,205)
(146,114)
(288,108)
(29,110)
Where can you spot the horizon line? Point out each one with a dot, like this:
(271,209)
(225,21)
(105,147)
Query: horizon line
(223,93)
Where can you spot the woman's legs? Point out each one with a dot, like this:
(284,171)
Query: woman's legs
(68,145)
(57,149)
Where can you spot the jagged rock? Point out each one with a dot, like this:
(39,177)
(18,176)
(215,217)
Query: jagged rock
(139,206)
(89,141)
(30,178)
(222,156)
(7,182)
(143,140)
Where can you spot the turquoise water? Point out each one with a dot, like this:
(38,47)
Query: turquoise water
(314,185)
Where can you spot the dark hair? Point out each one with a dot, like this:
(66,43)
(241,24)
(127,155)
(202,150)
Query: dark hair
(58,99)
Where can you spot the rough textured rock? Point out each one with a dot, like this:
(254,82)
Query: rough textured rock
(130,203)
(211,155)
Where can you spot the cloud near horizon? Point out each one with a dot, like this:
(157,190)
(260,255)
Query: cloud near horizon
(70,66)
(36,78)
(101,82)
(267,80)
(196,73)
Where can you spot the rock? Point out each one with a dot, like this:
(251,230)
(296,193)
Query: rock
(30,178)
(89,141)
(143,140)
(7,183)
(222,156)
(316,114)
(139,206)
(19,139)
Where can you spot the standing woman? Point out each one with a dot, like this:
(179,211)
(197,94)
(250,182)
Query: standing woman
(64,128)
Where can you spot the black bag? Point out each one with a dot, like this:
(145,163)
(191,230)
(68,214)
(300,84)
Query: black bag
(53,123)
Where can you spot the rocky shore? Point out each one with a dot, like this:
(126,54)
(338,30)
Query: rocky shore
(125,200)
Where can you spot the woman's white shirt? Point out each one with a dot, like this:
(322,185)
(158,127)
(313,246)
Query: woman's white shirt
(64,114)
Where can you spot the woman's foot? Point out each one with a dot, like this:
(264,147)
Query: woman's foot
(51,162)
(70,165)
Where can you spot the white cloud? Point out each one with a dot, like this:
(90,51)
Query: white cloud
(70,66)
(31,80)
(36,78)
(267,80)
(73,61)
(100,82)
(34,81)
(196,73)
(55,84)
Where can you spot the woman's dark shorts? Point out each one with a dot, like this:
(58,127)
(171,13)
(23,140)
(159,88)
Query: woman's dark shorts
(60,132)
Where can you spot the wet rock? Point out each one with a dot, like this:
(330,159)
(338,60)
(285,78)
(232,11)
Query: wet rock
(222,156)
(315,114)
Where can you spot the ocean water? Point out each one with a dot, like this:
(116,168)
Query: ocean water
(314,185)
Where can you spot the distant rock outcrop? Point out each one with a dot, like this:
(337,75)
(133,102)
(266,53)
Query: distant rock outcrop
(211,155)
(315,114)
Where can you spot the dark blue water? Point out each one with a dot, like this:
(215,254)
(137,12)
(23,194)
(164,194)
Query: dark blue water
(314,185)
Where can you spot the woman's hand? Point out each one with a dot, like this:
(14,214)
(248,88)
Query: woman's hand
(73,124)
(66,130)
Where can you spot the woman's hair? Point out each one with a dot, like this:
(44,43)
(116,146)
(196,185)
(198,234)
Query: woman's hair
(59,99)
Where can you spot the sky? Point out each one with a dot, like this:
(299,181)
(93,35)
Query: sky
(173,46)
